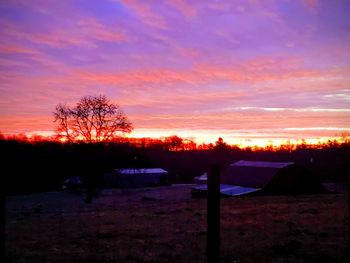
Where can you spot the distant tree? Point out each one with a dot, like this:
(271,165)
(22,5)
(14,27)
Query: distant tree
(93,119)
(21,137)
(209,146)
(174,143)
(189,145)
(287,147)
(302,145)
(345,138)
(220,144)
(37,138)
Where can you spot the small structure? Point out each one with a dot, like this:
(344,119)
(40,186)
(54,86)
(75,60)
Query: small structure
(278,178)
(72,183)
(136,177)
(202,179)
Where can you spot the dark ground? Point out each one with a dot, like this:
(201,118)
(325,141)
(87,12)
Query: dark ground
(166,225)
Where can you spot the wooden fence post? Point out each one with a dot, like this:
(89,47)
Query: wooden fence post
(213,214)
(348,245)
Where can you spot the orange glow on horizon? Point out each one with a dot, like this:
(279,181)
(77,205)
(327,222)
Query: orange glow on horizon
(241,140)
(207,137)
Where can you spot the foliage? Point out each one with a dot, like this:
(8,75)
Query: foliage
(93,119)
(174,143)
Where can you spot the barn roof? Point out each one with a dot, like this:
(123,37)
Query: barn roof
(252,173)
(261,164)
(203,177)
(225,189)
(245,177)
(141,171)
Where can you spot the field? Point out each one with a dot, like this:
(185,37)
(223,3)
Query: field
(166,225)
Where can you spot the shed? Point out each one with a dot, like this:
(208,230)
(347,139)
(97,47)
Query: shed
(136,177)
(269,178)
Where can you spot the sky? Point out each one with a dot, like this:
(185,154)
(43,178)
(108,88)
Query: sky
(251,72)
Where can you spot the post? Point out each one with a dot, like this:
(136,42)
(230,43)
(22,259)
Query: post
(348,245)
(213,214)
(3,212)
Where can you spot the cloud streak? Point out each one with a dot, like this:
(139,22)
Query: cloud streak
(145,13)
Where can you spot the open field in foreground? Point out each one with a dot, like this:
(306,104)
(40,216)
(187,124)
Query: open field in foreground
(166,225)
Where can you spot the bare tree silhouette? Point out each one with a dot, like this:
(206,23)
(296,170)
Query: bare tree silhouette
(93,119)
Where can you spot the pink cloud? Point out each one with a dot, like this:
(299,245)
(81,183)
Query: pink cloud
(312,4)
(266,63)
(144,13)
(247,119)
(17,49)
(250,72)
(57,38)
(31,54)
(96,30)
(23,124)
(185,7)
(60,39)
(83,33)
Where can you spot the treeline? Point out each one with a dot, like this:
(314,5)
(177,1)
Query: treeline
(36,164)
(176,143)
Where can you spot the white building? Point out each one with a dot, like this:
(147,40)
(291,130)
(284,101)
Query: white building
(136,177)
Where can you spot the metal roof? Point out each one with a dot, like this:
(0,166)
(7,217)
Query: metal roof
(261,164)
(254,174)
(203,177)
(231,190)
(141,171)
(245,177)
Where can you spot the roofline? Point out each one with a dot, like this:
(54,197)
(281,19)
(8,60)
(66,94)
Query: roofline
(140,170)
(243,163)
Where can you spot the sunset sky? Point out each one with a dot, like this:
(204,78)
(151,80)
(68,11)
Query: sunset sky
(246,71)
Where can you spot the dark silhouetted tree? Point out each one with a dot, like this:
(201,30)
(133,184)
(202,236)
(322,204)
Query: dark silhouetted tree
(93,119)
(220,144)
(174,143)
